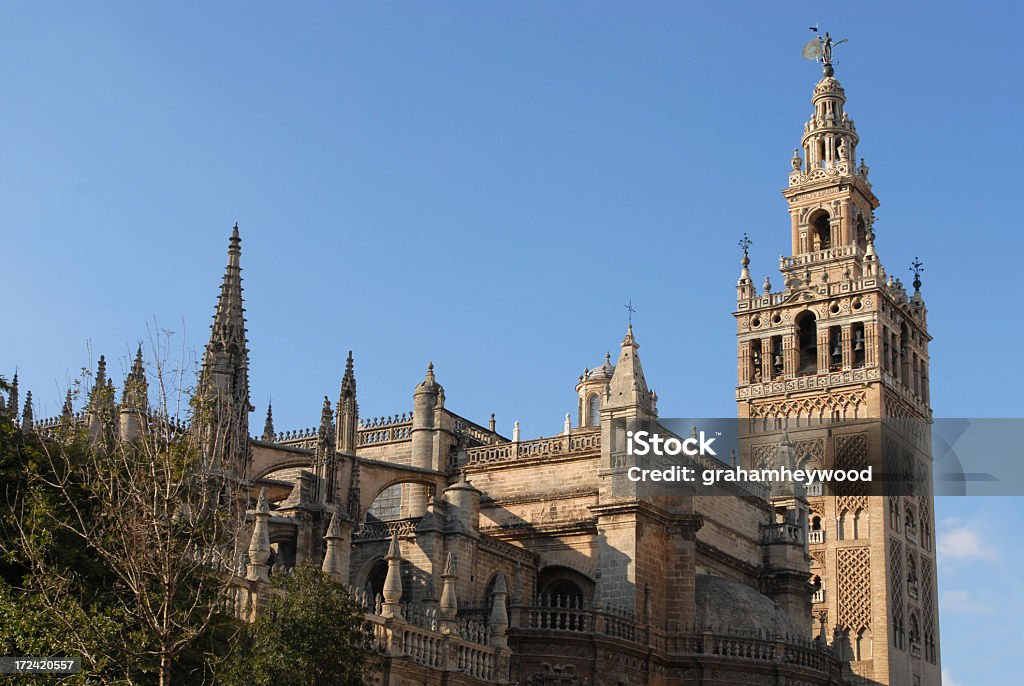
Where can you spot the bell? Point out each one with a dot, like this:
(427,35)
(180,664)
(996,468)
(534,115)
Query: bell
(837,352)
(858,343)
(778,361)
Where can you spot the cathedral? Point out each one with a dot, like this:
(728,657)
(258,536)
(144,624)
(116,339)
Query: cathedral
(482,558)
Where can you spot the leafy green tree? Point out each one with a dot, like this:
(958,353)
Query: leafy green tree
(310,633)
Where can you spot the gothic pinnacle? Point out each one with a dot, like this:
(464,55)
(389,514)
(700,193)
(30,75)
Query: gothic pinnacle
(268,426)
(27,418)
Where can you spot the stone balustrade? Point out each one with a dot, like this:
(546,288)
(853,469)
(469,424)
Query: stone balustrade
(585,441)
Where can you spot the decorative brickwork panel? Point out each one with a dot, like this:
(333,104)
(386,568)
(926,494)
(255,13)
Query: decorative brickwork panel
(809,451)
(896,584)
(928,608)
(851,453)
(763,456)
(854,565)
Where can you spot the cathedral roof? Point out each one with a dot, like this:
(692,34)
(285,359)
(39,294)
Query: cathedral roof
(728,606)
(605,371)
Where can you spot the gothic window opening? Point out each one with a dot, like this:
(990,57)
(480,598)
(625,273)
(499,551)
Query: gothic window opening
(860,524)
(910,524)
(594,410)
(862,645)
(857,337)
(807,341)
(387,505)
(374,585)
(904,357)
(835,348)
(755,361)
(822,232)
(911,575)
(778,362)
(894,362)
(914,635)
(862,234)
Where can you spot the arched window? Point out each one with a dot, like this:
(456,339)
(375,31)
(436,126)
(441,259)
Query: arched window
(594,410)
(387,505)
(911,575)
(860,524)
(807,342)
(374,585)
(857,334)
(862,645)
(914,634)
(822,237)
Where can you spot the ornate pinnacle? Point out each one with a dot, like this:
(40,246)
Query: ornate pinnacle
(917,267)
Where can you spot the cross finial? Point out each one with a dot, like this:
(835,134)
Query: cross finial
(917,267)
(631,310)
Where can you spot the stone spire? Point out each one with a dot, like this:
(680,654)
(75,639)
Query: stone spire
(134,400)
(100,405)
(27,415)
(393,581)
(268,426)
(223,414)
(324,461)
(628,387)
(136,388)
(347,410)
(259,544)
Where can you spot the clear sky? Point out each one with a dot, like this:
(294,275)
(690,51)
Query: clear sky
(485,185)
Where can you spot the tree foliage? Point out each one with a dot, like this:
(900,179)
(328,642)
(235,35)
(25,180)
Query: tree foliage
(117,549)
(311,632)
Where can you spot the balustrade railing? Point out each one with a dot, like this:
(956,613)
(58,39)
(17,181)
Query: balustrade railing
(587,440)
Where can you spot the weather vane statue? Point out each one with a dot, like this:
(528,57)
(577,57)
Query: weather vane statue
(820,47)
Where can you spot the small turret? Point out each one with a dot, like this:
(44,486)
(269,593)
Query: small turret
(427,399)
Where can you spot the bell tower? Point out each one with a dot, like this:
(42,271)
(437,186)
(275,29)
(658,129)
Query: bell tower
(838,339)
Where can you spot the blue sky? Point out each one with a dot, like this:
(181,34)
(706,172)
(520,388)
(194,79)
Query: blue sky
(484,185)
